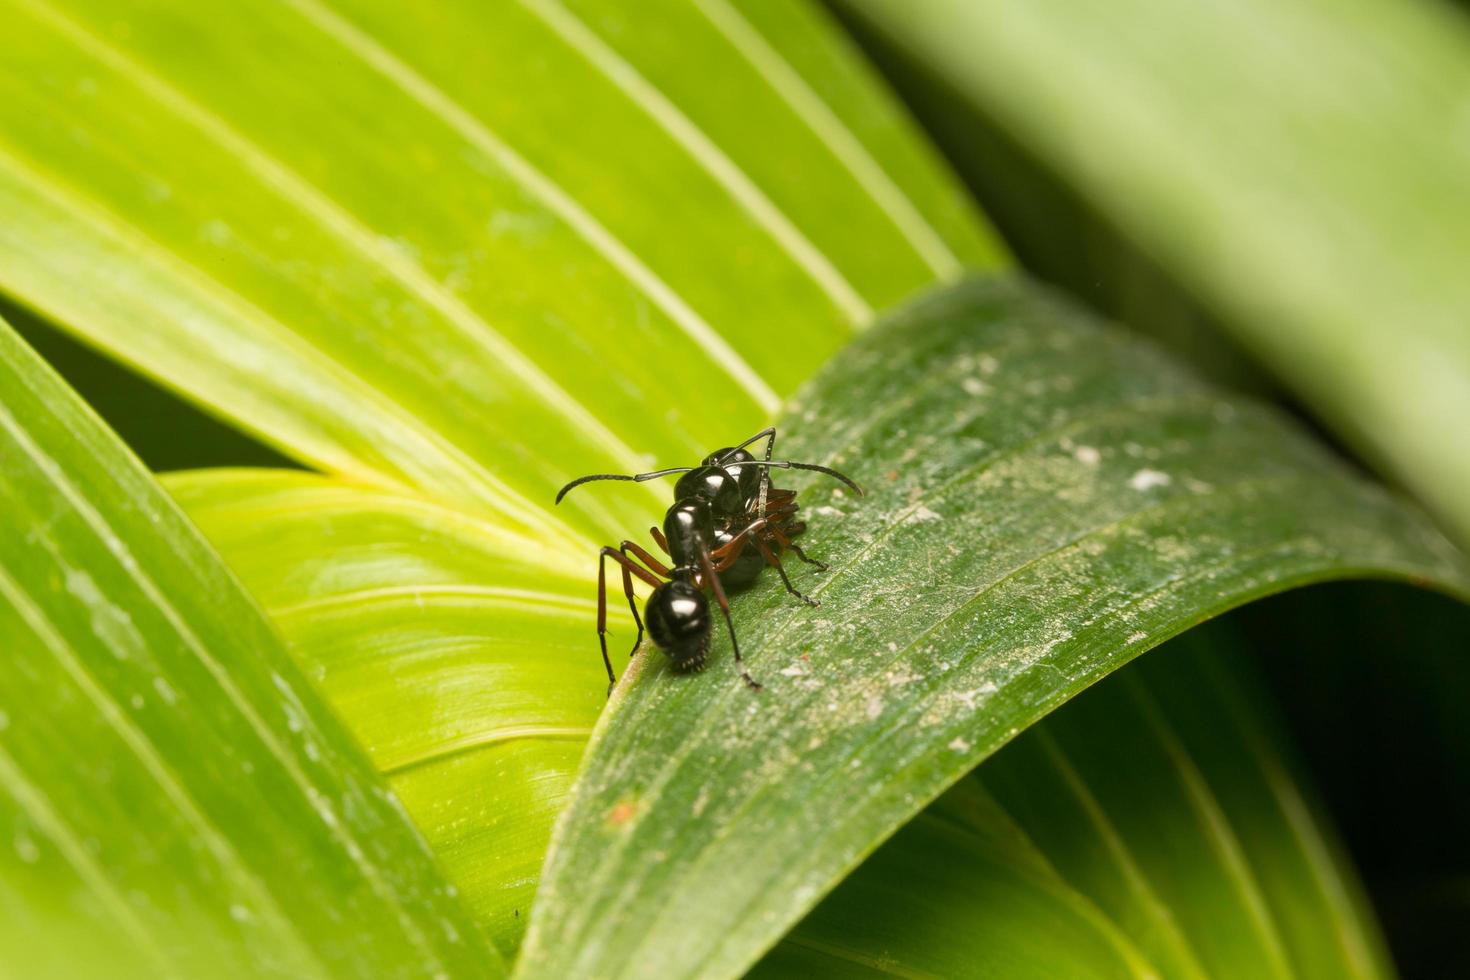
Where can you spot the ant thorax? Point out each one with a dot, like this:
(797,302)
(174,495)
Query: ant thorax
(689,527)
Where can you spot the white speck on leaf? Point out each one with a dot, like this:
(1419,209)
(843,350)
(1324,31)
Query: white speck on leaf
(974,386)
(921,515)
(969,698)
(960,745)
(1147,479)
(165,691)
(1088,455)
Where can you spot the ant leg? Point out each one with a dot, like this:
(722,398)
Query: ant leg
(602,620)
(629,569)
(729,553)
(795,549)
(726,554)
(659,539)
(643,556)
(782,536)
(714,580)
(775,562)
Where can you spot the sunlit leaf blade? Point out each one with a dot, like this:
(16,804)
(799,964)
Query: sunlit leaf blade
(1297,165)
(1047,498)
(174,798)
(1220,868)
(461,657)
(461,248)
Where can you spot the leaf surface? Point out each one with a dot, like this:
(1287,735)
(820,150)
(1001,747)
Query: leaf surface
(462,248)
(1047,498)
(1296,165)
(175,799)
(1056,865)
(475,695)
(455,652)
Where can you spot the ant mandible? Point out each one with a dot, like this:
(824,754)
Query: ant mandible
(720,507)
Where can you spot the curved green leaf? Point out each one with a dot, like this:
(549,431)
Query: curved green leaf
(475,695)
(1047,499)
(1219,867)
(456,653)
(429,247)
(174,799)
(959,891)
(1295,164)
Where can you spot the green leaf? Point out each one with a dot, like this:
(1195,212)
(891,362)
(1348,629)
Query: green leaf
(1376,679)
(475,695)
(428,247)
(174,798)
(959,891)
(459,655)
(1047,499)
(1295,164)
(1062,867)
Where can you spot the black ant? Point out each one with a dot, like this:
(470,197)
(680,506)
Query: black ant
(720,507)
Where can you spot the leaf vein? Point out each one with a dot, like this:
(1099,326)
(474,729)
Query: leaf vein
(707,153)
(787,82)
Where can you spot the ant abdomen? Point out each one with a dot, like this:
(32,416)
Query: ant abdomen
(679,622)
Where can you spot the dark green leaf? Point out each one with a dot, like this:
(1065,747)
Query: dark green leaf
(1297,165)
(1048,498)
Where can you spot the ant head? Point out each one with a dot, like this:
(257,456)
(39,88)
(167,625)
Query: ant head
(689,528)
(678,619)
(730,460)
(719,486)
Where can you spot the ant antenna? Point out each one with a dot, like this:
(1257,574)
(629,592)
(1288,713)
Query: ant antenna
(638,478)
(787,464)
(784,464)
(769,430)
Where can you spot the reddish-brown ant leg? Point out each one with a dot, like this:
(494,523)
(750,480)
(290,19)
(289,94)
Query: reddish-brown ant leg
(713,581)
(775,562)
(659,539)
(735,543)
(647,559)
(786,545)
(731,552)
(629,569)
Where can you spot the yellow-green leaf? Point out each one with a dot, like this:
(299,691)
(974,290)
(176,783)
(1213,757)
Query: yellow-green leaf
(175,799)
